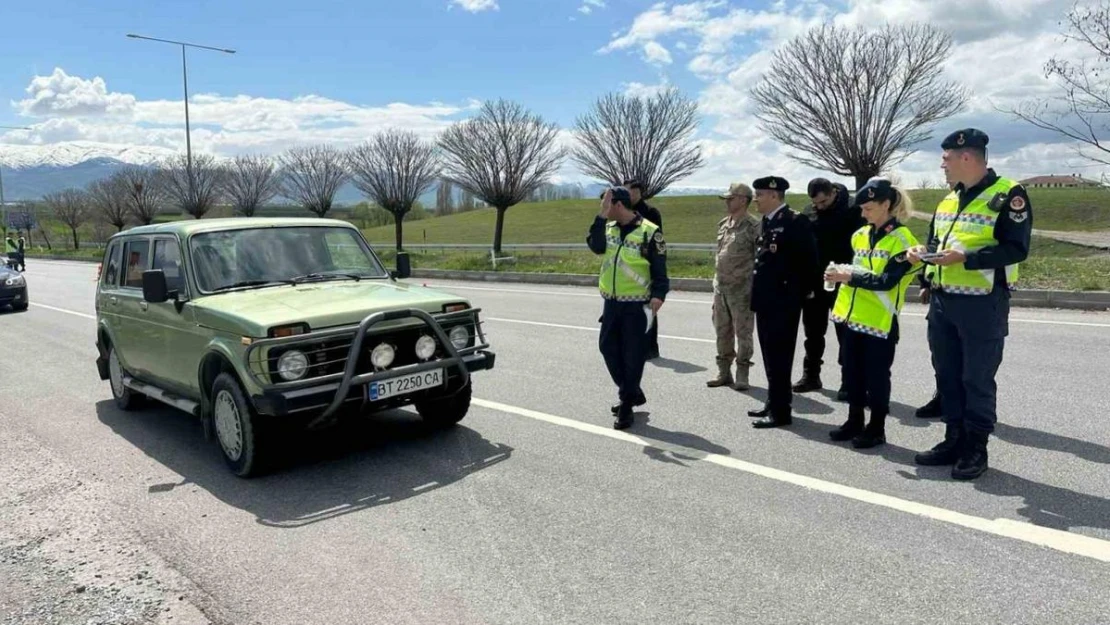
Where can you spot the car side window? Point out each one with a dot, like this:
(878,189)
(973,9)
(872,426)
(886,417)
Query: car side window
(111,272)
(167,257)
(137,256)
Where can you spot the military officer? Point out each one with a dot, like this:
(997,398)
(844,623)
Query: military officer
(979,234)
(785,264)
(633,283)
(733,319)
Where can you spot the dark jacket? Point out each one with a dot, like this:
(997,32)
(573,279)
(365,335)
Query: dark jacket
(650,213)
(833,228)
(784,263)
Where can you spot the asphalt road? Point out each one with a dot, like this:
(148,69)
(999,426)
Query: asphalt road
(534,510)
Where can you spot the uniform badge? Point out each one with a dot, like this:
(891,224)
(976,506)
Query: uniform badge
(658,236)
(1017,204)
(774,248)
(888,228)
(772,184)
(870,193)
(960,139)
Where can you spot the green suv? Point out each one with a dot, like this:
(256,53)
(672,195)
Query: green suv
(257,326)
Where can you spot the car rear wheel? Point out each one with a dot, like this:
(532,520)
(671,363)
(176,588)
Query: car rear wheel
(445,412)
(125,398)
(243,436)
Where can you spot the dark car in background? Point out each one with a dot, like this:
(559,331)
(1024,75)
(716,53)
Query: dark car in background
(13,287)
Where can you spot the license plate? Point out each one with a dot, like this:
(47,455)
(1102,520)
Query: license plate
(404,384)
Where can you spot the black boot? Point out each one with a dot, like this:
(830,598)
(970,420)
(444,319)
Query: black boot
(948,451)
(811,381)
(624,417)
(973,461)
(874,434)
(931,410)
(639,401)
(851,427)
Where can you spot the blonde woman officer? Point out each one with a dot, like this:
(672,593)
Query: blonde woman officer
(868,304)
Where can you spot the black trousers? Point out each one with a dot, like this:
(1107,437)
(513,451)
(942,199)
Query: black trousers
(815,321)
(867,363)
(777,329)
(967,334)
(624,345)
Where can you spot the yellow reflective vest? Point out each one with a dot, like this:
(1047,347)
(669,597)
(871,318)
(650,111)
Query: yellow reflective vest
(864,310)
(626,273)
(969,230)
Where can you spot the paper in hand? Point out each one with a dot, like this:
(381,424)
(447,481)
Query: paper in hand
(650,317)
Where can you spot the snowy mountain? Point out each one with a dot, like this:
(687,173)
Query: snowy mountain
(78,152)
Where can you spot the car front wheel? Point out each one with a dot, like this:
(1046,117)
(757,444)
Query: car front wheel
(244,439)
(444,412)
(125,398)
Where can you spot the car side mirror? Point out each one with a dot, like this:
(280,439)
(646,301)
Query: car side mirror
(155,290)
(404,268)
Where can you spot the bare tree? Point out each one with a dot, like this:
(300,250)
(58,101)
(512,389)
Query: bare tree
(109,198)
(856,101)
(146,193)
(393,169)
(1081,111)
(313,175)
(195,190)
(649,139)
(250,182)
(501,155)
(71,207)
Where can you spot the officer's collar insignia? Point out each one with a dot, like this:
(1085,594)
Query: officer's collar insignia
(888,228)
(960,139)
(774,248)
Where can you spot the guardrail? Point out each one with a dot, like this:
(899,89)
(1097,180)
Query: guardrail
(701,247)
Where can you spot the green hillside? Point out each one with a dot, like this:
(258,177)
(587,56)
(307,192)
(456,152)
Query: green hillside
(692,219)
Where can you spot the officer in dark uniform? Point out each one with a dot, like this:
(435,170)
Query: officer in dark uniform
(980,233)
(633,283)
(650,213)
(786,261)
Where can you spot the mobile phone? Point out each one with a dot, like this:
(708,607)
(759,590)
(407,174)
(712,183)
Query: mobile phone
(928,256)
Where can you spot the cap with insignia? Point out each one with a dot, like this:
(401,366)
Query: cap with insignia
(737,189)
(966,138)
(876,190)
(773,183)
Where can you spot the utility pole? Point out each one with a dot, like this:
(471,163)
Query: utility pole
(185,79)
(3,206)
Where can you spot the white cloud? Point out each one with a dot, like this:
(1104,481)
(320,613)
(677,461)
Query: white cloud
(60,94)
(474,6)
(656,54)
(734,47)
(588,6)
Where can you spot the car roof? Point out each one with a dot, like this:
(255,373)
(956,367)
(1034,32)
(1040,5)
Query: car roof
(186,227)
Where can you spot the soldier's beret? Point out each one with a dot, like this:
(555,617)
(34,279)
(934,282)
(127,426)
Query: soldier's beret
(966,138)
(774,183)
(876,190)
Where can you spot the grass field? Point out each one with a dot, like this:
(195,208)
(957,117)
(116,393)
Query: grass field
(693,219)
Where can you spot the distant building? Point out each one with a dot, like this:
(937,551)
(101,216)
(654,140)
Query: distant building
(1054,181)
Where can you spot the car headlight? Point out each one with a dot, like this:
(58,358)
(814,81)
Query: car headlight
(425,347)
(382,356)
(292,365)
(15,281)
(459,336)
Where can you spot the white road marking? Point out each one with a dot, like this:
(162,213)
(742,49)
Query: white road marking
(569,327)
(706,302)
(63,310)
(1059,540)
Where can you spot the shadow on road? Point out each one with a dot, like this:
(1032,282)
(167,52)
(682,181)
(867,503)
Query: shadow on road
(801,403)
(678,366)
(682,439)
(1028,437)
(369,462)
(904,413)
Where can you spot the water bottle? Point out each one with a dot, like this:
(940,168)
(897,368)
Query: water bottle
(829,285)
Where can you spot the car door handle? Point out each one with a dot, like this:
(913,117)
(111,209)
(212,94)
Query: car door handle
(113,299)
(143,305)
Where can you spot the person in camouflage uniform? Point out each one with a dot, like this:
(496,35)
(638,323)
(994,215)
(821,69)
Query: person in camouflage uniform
(733,319)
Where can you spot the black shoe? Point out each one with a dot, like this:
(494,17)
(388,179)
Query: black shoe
(624,417)
(640,401)
(931,410)
(762,412)
(947,451)
(973,461)
(873,435)
(851,427)
(772,421)
(809,382)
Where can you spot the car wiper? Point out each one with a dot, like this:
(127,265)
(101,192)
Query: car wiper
(247,283)
(326,276)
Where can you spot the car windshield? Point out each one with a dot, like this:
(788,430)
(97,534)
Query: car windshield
(255,257)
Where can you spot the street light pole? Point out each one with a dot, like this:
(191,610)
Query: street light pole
(185,80)
(3,206)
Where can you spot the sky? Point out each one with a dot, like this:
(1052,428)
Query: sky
(336,72)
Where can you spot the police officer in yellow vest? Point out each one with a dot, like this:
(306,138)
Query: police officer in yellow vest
(979,234)
(867,307)
(11,251)
(633,282)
